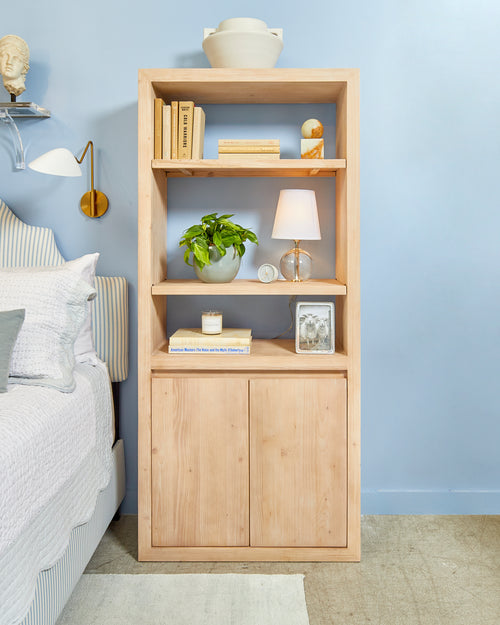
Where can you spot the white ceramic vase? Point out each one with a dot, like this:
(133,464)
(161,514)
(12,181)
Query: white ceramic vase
(221,268)
(242,42)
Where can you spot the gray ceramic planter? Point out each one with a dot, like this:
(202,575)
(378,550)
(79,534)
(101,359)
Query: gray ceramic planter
(222,268)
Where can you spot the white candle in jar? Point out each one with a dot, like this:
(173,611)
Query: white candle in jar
(211,322)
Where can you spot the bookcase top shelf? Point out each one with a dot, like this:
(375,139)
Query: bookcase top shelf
(265,354)
(244,168)
(250,86)
(249,287)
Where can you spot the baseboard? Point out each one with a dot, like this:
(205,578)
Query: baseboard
(430,502)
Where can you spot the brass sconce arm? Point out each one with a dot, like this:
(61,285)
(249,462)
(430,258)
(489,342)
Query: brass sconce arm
(93,203)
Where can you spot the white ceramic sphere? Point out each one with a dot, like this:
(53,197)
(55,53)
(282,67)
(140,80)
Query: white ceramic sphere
(312,129)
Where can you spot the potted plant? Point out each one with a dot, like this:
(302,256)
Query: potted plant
(217,245)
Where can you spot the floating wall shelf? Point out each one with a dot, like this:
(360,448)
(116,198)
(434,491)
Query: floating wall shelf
(27,110)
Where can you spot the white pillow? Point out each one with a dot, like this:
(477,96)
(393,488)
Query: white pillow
(84,349)
(55,299)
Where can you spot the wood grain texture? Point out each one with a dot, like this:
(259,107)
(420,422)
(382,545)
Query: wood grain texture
(347,270)
(200,462)
(265,355)
(298,463)
(145,338)
(248,86)
(249,287)
(241,167)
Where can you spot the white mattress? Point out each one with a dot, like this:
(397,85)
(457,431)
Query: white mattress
(55,457)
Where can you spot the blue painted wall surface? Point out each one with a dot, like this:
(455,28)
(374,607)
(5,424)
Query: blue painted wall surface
(430,199)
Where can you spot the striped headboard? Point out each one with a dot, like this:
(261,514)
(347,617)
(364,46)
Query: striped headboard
(22,245)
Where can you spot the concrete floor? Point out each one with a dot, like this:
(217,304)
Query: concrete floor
(415,570)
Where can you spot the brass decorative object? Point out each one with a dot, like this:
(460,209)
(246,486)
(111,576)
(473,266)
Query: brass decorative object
(93,203)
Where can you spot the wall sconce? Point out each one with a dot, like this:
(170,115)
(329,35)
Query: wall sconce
(61,162)
(297,219)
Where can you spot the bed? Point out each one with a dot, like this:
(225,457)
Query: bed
(62,470)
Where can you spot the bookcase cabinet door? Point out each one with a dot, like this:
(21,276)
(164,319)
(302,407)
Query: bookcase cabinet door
(199,461)
(298,460)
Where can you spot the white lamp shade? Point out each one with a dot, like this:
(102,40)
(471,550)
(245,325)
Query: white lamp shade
(58,162)
(296,216)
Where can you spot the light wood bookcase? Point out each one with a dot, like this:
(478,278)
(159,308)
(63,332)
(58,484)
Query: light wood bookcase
(249,457)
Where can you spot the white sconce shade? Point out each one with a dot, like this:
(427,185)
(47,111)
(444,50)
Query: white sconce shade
(58,162)
(296,216)
(61,162)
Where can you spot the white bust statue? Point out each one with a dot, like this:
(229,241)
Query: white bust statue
(14,63)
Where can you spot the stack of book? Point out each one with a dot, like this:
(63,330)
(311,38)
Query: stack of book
(249,149)
(179,130)
(192,341)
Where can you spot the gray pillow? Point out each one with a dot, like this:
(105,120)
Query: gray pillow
(10,324)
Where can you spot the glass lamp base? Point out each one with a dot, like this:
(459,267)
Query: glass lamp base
(296,265)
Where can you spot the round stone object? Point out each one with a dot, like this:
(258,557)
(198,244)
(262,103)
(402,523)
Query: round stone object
(312,129)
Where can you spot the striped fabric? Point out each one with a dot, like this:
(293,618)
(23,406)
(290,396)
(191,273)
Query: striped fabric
(55,585)
(110,325)
(33,246)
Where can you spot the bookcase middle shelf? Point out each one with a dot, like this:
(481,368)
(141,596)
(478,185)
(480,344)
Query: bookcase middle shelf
(249,287)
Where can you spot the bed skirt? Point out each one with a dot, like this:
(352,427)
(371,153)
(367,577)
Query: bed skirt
(55,585)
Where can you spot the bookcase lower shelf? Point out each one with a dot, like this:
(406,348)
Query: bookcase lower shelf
(265,355)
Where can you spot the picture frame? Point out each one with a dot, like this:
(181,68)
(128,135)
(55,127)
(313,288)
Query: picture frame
(315,328)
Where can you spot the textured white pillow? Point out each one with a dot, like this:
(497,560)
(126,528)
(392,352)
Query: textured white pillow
(84,349)
(55,300)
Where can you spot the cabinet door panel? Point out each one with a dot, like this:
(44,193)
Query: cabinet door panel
(200,462)
(298,459)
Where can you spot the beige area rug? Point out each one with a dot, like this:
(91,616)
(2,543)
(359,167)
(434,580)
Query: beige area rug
(187,600)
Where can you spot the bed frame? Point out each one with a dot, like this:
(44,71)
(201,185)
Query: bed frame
(22,245)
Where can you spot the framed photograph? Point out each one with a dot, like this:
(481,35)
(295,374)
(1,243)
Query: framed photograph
(314,328)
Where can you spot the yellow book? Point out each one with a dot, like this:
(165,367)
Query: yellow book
(167,113)
(186,110)
(244,143)
(248,157)
(228,337)
(249,147)
(174,129)
(198,132)
(158,129)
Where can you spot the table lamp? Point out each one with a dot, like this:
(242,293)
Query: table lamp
(297,219)
(61,162)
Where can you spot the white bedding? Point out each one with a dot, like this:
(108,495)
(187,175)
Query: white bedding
(55,457)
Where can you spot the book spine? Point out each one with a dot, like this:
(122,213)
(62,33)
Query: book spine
(185,130)
(248,142)
(198,132)
(174,129)
(209,342)
(249,157)
(209,349)
(167,113)
(158,128)
(250,147)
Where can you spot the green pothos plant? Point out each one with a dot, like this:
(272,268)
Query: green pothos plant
(220,232)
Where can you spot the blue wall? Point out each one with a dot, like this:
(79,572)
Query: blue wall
(430,199)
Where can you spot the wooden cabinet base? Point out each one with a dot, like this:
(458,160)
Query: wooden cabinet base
(249,554)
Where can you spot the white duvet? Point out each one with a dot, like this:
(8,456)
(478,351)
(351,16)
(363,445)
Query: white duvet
(55,457)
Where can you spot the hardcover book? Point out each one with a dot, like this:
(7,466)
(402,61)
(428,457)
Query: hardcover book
(228,337)
(198,132)
(249,147)
(234,144)
(185,129)
(158,127)
(174,129)
(248,156)
(209,349)
(167,113)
